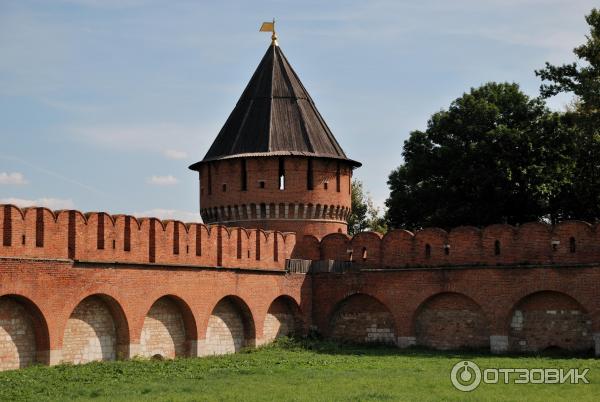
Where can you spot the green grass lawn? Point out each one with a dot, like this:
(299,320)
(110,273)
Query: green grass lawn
(293,370)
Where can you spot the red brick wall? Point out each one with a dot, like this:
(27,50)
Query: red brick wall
(307,248)
(534,285)
(449,308)
(441,308)
(550,320)
(362,319)
(570,242)
(54,288)
(318,212)
(451,321)
(41,233)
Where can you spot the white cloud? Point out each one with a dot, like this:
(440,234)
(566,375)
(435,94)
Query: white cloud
(12,178)
(167,180)
(175,154)
(51,203)
(52,174)
(165,214)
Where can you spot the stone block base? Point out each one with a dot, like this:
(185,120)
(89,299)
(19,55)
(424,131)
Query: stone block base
(52,357)
(406,341)
(498,344)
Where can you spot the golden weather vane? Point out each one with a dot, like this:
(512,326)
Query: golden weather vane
(269,27)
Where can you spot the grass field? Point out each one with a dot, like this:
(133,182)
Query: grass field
(297,371)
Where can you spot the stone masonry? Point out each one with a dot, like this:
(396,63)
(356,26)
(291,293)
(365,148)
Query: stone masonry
(90,333)
(17,337)
(163,333)
(225,332)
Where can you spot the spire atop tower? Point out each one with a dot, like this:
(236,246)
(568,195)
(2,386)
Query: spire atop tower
(275,116)
(270,27)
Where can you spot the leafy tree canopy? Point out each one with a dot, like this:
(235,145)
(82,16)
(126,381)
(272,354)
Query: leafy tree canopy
(364,216)
(582,79)
(581,199)
(495,155)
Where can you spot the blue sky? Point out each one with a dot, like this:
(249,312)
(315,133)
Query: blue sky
(104,103)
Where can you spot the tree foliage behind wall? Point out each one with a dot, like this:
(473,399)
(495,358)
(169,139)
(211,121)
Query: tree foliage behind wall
(581,200)
(364,216)
(496,155)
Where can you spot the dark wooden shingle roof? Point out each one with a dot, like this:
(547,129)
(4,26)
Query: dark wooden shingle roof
(275,116)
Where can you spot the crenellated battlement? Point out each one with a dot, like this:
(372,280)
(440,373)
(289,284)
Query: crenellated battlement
(100,237)
(569,242)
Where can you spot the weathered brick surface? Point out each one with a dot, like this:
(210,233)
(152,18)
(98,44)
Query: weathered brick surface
(550,320)
(17,336)
(90,333)
(163,332)
(483,303)
(362,319)
(451,321)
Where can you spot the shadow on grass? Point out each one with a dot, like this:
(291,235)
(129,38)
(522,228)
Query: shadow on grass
(352,349)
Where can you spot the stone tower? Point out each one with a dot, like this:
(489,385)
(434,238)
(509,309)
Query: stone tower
(275,164)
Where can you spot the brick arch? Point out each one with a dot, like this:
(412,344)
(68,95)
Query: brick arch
(362,318)
(549,319)
(24,336)
(97,329)
(230,327)
(451,320)
(284,318)
(169,328)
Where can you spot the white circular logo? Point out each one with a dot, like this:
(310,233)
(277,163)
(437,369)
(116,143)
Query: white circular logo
(465,376)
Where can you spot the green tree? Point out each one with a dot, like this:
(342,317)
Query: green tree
(365,216)
(495,155)
(580,199)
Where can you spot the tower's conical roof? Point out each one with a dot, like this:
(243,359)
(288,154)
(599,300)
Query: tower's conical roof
(274,116)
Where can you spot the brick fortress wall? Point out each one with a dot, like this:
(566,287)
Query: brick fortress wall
(501,288)
(97,236)
(79,287)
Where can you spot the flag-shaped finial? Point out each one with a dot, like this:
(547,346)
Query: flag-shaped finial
(270,27)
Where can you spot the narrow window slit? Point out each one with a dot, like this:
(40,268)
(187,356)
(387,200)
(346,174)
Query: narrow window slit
(281,174)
